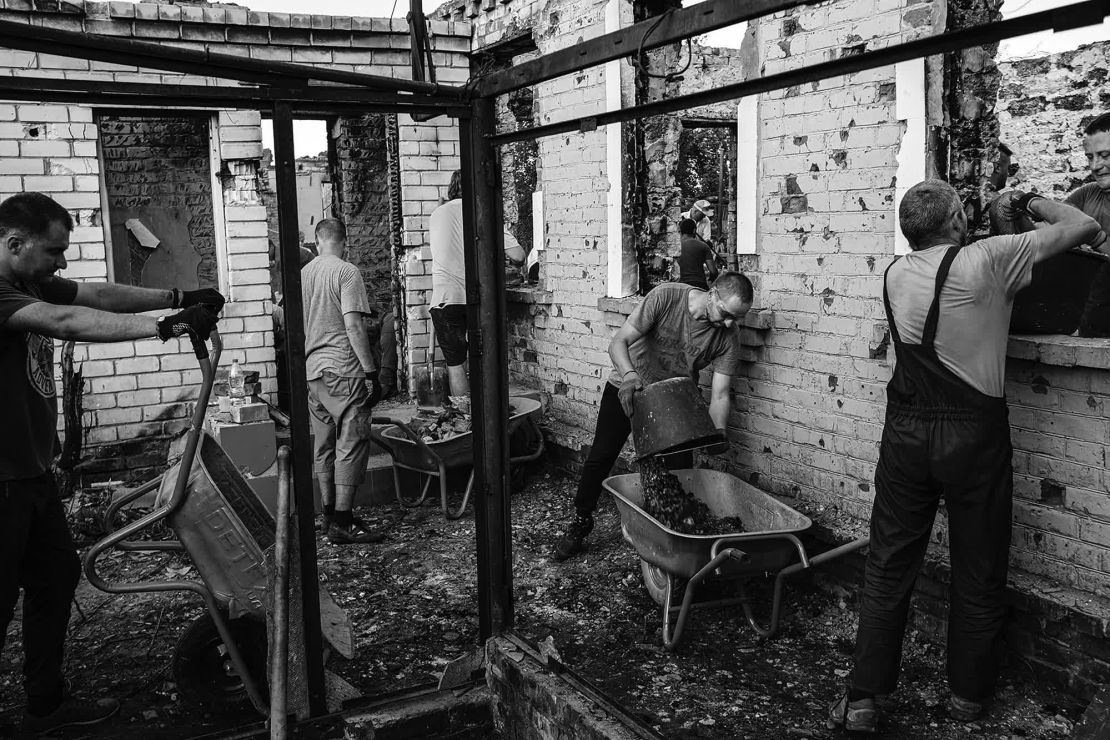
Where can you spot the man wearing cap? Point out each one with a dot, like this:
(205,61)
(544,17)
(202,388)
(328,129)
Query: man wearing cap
(701,213)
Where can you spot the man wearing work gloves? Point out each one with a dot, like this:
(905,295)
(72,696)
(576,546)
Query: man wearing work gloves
(947,434)
(37,552)
(674,333)
(342,380)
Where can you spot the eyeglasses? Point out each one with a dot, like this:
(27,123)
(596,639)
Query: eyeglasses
(725,314)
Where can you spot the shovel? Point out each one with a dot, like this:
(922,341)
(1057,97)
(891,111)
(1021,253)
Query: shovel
(431,381)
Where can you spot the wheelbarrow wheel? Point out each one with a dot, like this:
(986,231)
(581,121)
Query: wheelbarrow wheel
(655,580)
(203,669)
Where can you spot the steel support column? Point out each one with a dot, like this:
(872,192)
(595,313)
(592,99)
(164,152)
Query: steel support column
(489,370)
(290,262)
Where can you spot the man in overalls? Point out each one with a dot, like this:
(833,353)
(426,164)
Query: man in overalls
(947,434)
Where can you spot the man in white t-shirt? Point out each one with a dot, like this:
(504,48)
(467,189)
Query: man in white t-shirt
(701,213)
(947,434)
(448,303)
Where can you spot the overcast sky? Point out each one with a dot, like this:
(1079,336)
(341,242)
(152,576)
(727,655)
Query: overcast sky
(310,137)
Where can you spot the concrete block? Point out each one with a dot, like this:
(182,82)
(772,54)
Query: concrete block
(252,446)
(250,413)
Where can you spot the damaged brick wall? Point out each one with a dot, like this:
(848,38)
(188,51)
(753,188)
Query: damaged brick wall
(1044,104)
(137,392)
(361,149)
(157,170)
(809,412)
(971,79)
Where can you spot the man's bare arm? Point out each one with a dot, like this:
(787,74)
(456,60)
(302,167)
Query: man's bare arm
(1067,227)
(80,323)
(355,324)
(720,400)
(618,346)
(122,298)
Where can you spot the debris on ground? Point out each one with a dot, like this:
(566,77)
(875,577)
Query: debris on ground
(413,602)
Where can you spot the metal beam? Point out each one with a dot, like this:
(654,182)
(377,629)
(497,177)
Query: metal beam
(352,101)
(484,252)
(675,26)
(1067,17)
(151,55)
(290,265)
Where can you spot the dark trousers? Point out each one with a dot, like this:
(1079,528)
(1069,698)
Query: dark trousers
(968,462)
(37,554)
(612,431)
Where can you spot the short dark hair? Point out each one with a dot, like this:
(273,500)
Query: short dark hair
(730,283)
(32,213)
(454,189)
(687,226)
(1099,125)
(926,208)
(331,229)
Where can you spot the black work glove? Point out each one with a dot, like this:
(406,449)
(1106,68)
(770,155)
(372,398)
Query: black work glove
(629,385)
(205,296)
(196,321)
(373,388)
(1009,213)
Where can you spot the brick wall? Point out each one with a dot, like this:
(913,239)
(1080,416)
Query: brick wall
(160,164)
(1044,103)
(138,393)
(361,150)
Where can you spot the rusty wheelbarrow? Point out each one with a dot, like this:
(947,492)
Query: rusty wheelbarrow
(220,523)
(433,459)
(770,547)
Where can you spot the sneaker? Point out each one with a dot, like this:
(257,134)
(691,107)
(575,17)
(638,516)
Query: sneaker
(964,710)
(573,540)
(71,712)
(853,716)
(356,533)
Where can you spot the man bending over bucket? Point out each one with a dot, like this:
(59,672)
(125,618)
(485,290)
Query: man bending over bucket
(946,434)
(674,333)
(37,552)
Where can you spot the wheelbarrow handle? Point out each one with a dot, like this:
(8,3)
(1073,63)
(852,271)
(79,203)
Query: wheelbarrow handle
(758,537)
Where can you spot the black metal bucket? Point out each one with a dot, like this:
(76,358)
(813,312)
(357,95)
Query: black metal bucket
(672,416)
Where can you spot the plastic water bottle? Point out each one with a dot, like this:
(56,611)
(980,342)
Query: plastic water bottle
(236,385)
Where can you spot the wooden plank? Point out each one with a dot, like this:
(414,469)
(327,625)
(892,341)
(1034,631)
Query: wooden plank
(676,26)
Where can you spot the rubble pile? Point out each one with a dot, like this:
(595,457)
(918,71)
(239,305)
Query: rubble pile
(676,508)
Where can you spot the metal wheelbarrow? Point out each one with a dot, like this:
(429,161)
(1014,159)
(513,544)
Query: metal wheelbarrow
(432,460)
(226,530)
(770,547)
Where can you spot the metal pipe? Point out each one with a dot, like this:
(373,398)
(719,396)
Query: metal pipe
(15,35)
(279,641)
(1069,16)
(289,262)
(487,326)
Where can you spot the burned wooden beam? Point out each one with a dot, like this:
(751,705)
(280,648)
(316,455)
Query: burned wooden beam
(676,26)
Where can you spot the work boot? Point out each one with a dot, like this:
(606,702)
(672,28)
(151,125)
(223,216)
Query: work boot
(853,716)
(573,540)
(355,533)
(72,712)
(964,710)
